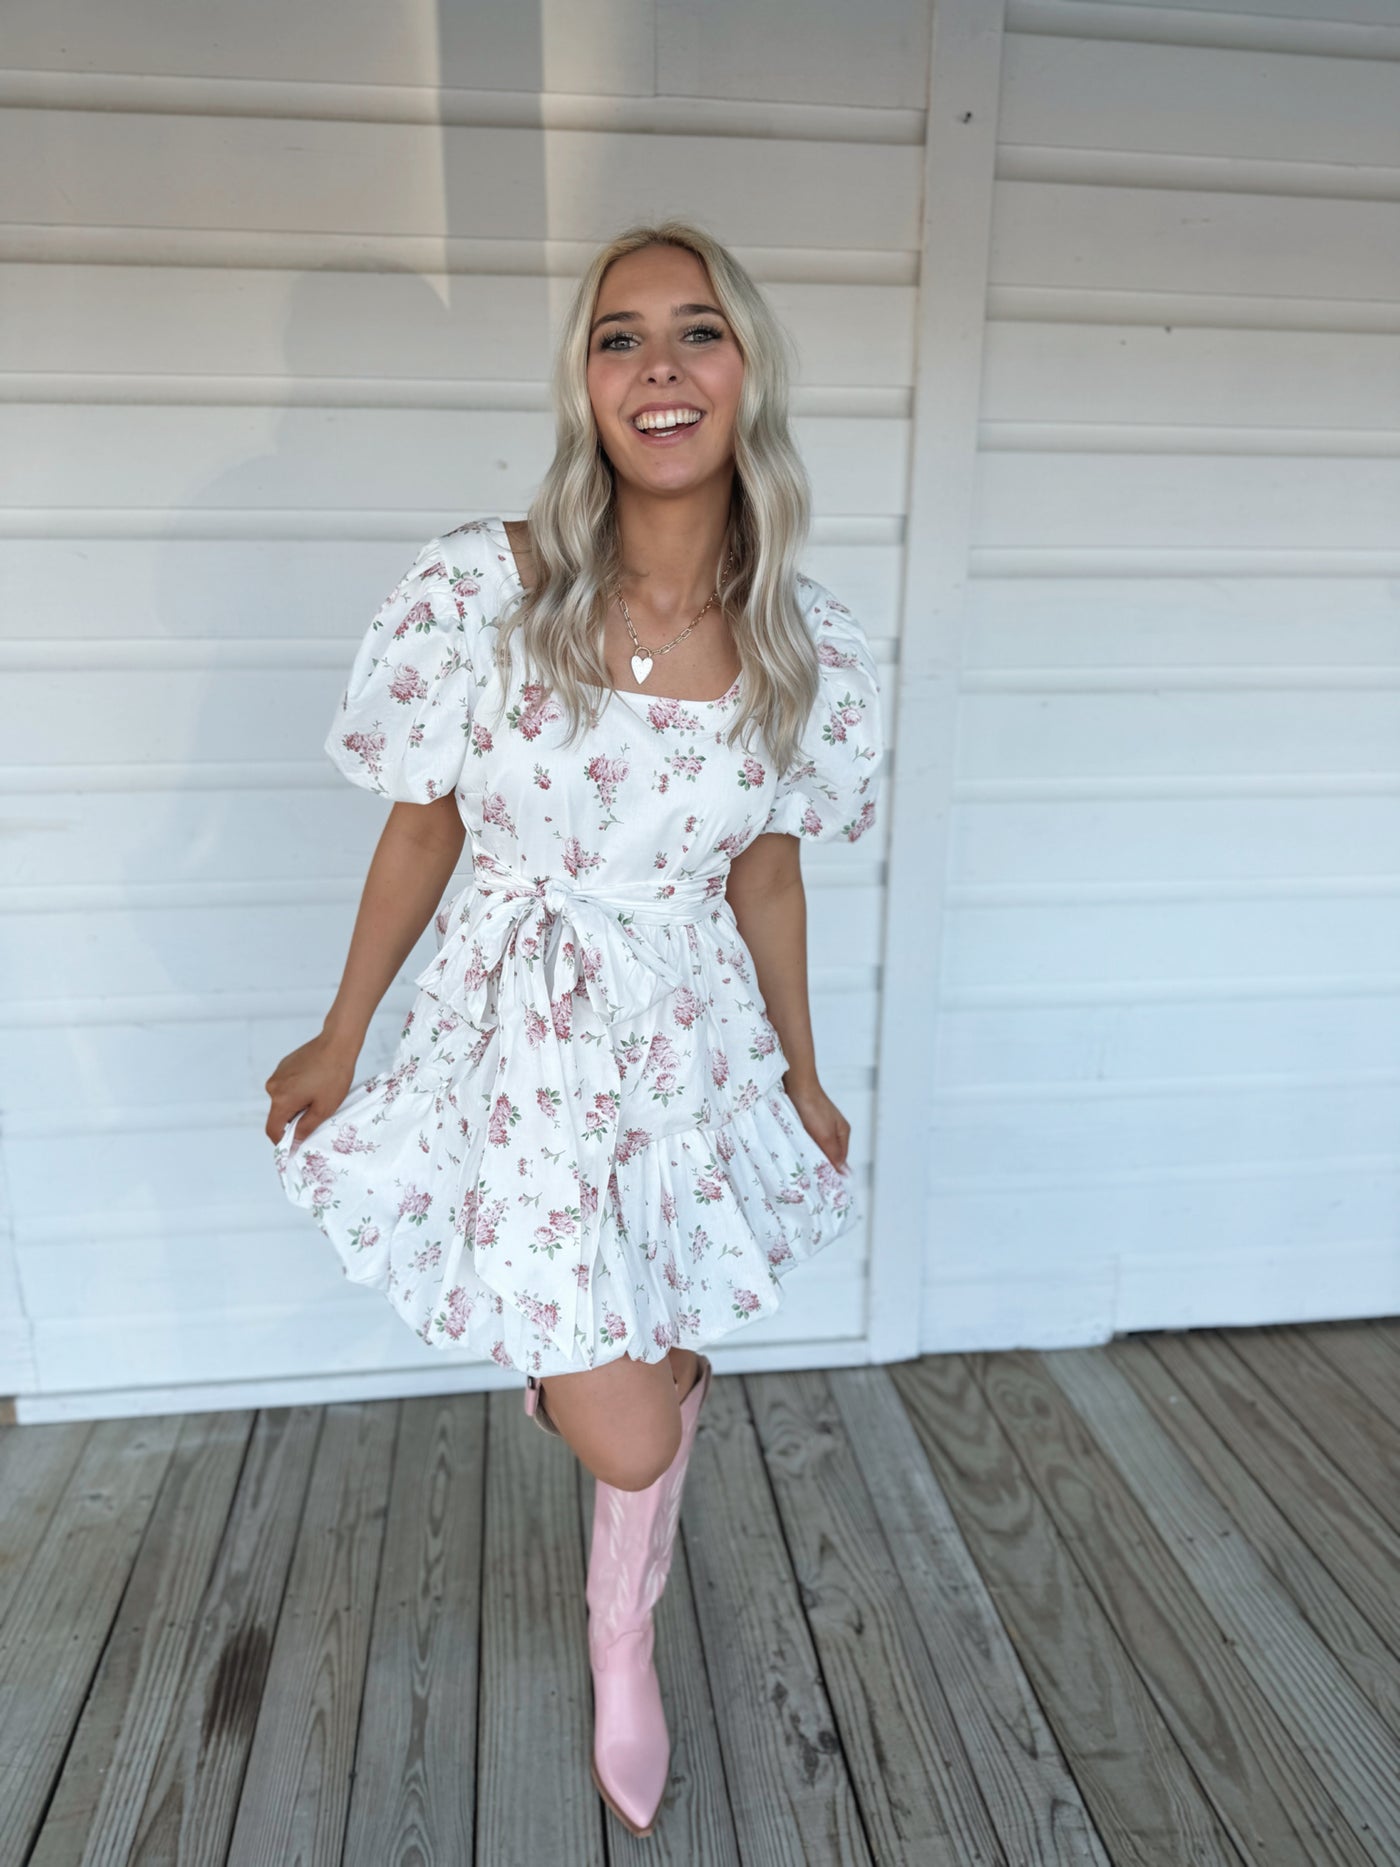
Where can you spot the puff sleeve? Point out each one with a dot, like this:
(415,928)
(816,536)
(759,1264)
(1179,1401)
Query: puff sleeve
(404,719)
(829,790)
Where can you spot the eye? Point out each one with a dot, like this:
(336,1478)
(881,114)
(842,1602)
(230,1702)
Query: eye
(624,340)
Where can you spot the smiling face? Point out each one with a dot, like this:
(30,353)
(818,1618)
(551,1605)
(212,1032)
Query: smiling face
(664,372)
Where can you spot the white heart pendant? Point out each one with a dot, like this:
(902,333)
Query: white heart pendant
(641,667)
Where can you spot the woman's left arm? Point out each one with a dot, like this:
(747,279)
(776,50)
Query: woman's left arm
(765,890)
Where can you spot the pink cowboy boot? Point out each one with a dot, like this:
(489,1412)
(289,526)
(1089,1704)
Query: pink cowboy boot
(629,1559)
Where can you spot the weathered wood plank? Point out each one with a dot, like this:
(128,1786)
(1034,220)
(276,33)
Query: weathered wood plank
(1338,1522)
(296,1792)
(535,1795)
(917,1790)
(1031,1798)
(1349,1746)
(788,1781)
(1248,1763)
(96,1807)
(36,1465)
(1368,1354)
(415,1761)
(62,1609)
(1132,1775)
(1354,1433)
(192,1799)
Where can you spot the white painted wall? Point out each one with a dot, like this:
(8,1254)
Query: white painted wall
(1161,665)
(1112,482)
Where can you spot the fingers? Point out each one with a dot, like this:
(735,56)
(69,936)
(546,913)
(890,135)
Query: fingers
(280,1115)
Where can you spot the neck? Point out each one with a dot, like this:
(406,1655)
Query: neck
(672,548)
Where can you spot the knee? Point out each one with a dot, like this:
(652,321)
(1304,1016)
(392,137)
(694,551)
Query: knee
(636,1466)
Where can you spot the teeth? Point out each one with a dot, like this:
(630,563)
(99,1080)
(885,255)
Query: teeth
(671,418)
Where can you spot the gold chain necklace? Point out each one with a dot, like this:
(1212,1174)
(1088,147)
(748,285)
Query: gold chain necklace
(644,659)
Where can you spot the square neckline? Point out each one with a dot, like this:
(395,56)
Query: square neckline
(496,526)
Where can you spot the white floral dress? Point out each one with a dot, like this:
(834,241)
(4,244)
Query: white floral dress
(583,1148)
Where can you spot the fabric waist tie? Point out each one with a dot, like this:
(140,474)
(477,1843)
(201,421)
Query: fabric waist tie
(568,968)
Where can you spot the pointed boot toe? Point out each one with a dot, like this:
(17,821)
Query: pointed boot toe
(631,1747)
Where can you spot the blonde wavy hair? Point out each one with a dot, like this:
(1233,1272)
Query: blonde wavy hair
(573,518)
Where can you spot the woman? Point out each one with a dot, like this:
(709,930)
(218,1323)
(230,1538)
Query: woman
(603,1141)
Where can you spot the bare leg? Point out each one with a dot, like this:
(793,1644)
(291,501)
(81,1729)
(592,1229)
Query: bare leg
(622,1421)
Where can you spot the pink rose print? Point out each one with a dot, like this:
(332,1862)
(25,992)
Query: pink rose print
(686,764)
(503,1115)
(414,1205)
(453,1320)
(561,1228)
(614,1329)
(662,1069)
(463,588)
(364,1237)
(318,1177)
(765,1041)
(347,1141)
(751,774)
(536,711)
(407,685)
(811,824)
(631,1143)
(537,1027)
(686,1007)
(780,1253)
(606,774)
(709,1188)
(668,1208)
(499,1355)
(493,810)
(548,1101)
(368,748)
(579,861)
(719,1069)
(581,1276)
(545,1316)
(480,739)
(542,777)
(843,716)
(830,656)
(745,1302)
(666,1335)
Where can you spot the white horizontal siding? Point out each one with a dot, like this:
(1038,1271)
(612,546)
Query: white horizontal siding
(1165,1087)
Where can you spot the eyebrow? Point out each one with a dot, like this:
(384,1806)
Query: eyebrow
(677,311)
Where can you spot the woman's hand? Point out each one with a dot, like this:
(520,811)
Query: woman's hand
(311,1082)
(825,1123)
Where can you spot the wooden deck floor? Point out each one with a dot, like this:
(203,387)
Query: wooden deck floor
(1132,1604)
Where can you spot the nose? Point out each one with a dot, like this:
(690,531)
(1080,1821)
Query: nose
(662,368)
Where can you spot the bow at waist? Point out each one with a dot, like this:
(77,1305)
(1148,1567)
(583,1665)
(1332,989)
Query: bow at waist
(535,922)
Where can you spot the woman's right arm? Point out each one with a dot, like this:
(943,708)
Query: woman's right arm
(420,847)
